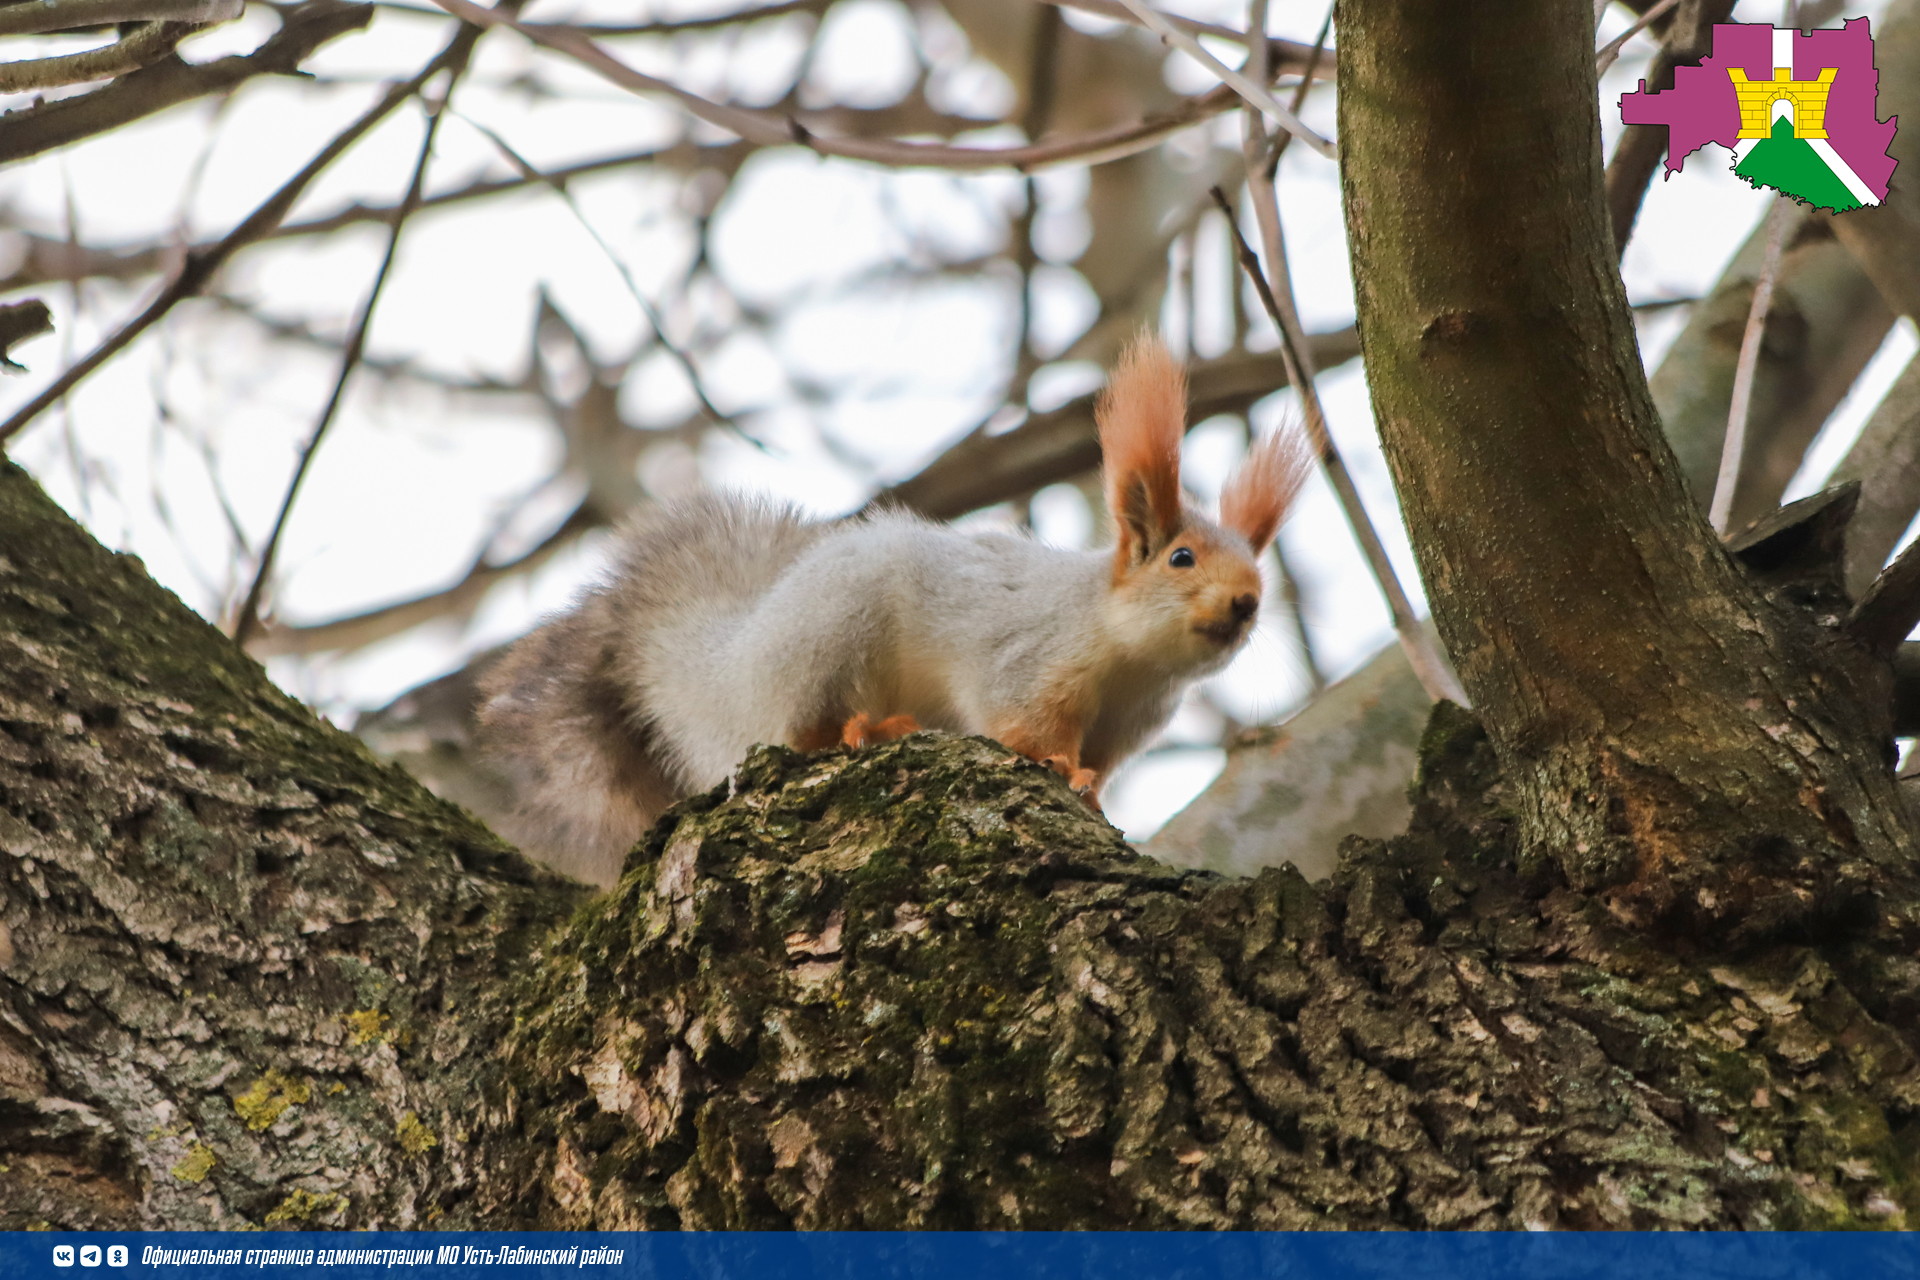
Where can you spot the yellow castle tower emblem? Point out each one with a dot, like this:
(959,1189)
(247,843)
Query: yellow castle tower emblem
(1807,97)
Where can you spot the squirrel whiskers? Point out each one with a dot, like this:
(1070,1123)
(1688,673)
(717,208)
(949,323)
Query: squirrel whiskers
(729,621)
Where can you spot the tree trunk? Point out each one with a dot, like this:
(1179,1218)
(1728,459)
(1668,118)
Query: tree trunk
(249,976)
(250,973)
(1713,757)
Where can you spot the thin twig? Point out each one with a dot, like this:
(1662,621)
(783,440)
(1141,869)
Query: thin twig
(740,17)
(1292,53)
(201,267)
(1609,52)
(1254,92)
(1294,599)
(1043,48)
(1736,443)
(1435,676)
(249,620)
(1279,144)
(680,357)
(725,156)
(767,129)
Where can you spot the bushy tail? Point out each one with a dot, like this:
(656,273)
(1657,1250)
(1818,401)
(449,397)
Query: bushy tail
(703,559)
(565,713)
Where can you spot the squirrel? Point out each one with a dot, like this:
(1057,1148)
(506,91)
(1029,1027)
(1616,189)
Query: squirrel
(728,621)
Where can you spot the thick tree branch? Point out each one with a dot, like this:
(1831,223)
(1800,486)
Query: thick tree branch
(1885,459)
(1890,610)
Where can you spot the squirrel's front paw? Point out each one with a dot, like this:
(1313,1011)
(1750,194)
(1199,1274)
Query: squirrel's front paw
(1085,783)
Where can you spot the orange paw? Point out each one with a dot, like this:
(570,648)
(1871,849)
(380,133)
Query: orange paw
(861,731)
(1085,783)
(895,727)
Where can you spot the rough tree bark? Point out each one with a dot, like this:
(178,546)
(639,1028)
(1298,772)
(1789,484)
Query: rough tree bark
(250,975)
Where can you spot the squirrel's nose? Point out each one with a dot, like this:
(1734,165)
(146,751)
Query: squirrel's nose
(1245,606)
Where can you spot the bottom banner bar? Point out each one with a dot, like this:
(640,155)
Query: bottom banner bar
(26,1255)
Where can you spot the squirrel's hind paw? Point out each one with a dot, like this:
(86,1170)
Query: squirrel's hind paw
(862,731)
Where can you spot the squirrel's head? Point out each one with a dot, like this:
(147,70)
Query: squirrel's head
(1185,589)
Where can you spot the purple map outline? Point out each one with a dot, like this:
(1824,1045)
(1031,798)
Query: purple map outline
(1702,107)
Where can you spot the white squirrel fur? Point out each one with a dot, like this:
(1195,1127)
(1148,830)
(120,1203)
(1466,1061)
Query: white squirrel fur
(728,621)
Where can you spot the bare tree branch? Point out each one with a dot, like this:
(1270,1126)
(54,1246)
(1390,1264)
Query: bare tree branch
(768,130)
(1824,325)
(199,268)
(1731,452)
(1255,94)
(1436,677)
(1051,447)
(169,82)
(682,26)
(1609,52)
(1282,55)
(70,15)
(652,313)
(1886,461)
(295,331)
(249,618)
(141,47)
(50,259)
(724,157)
(278,638)
(46,259)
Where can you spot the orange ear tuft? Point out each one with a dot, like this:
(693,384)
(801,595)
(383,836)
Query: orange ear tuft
(1142,416)
(1255,501)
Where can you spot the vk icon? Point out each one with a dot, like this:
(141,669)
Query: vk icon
(89,1255)
(116,1255)
(63,1255)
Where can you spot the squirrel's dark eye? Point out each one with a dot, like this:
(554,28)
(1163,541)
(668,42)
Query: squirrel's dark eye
(1182,558)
